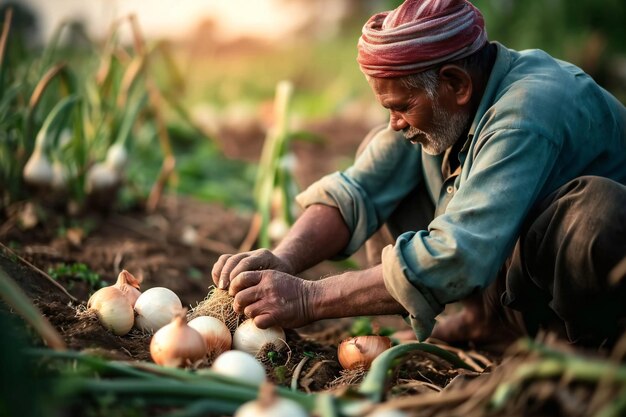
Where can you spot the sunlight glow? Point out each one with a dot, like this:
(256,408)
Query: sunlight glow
(270,19)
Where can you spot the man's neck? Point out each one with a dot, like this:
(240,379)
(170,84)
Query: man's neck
(480,80)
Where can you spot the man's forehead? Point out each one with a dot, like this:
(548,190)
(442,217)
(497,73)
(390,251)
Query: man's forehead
(390,89)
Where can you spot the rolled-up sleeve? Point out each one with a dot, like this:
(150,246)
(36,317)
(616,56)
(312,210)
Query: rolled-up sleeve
(509,164)
(465,246)
(366,193)
(404,287)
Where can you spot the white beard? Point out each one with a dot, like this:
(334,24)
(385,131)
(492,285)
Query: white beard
(447,128)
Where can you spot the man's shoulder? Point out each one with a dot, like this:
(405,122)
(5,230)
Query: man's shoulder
(536,75)
(537,89)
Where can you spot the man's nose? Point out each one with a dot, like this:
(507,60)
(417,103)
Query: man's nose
(397,122)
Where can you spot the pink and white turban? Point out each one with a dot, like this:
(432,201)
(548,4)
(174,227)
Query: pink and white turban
(419,35)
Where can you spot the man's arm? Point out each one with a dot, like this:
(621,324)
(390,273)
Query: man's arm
(276,298)
(319,234)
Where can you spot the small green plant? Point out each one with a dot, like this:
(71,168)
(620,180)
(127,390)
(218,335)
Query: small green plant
(77,272)
(272,356)
(363,326)
(280,373)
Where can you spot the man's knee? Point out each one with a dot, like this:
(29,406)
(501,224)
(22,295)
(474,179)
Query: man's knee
(584,218)
(594,193)
(589,211)
(568,248)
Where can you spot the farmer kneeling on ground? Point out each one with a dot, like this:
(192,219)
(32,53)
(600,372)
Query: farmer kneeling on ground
(501,176)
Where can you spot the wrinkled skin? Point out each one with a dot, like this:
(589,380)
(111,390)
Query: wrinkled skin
(277,297)
(228,267)
(263,282)
(272,298)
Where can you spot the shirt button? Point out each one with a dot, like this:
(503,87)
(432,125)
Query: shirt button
(450,189)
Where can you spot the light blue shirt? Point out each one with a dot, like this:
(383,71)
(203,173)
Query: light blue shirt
(540,123)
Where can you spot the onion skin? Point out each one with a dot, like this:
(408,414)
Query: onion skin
(241,365)
(117,157)
(38,171)
(155,308)
(129,286)
(176,344)
(113,310)
(388,413)
(278,407)
(360,351)
(215,334)
(101,177)
(251,339)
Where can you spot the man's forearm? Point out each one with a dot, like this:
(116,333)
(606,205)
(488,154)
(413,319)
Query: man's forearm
(319,234)
(354,293)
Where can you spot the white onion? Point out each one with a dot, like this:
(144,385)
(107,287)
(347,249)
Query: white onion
(277,229)
(60,176)
(116,157)
(38,170)
(387,413)
(101,177)
(129,286)
(155,308)
(251,339)
(215,333)
(241,365)
(177,344)
(276,407)
(113,310)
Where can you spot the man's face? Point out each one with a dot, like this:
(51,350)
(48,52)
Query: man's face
(420,118)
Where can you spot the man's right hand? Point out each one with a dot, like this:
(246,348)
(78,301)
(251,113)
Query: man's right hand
(228,267)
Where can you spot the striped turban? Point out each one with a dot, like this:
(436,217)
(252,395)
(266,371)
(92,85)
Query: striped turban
(419,35)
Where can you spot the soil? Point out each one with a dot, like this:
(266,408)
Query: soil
(156,248)
(38,240)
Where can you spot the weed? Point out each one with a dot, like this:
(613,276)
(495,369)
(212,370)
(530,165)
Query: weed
(77,272)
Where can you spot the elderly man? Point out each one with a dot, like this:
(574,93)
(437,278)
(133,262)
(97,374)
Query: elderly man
(500,175)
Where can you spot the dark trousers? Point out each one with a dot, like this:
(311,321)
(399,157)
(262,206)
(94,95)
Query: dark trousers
(567,272)
(564,273)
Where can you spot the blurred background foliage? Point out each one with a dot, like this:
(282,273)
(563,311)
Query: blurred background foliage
(211,90)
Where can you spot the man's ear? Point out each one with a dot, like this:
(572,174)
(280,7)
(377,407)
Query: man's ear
(457,82)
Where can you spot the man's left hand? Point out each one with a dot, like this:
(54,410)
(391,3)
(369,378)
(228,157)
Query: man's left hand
(273,298)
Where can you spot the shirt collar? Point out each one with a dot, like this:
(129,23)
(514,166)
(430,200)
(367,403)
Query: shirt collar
(500,68)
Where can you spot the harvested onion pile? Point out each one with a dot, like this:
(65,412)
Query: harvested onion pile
(218,304)
(117,305)
(177,342)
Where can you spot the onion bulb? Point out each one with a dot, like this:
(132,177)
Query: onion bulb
(155,308)
(251,339)
(176,344)
(241,365)
(113,309)
(215,333)
(129,286)
(59,176)
(276,407)
(38,171)
(277,229)
(387,413)
(116,157)
(360,351)
(101,177)
(268,404)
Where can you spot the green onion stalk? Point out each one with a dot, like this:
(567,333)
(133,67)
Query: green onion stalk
(14,297)
(271,173)
(198,392)
(558,364)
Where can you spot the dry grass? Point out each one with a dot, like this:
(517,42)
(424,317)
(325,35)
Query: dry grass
(218,304)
